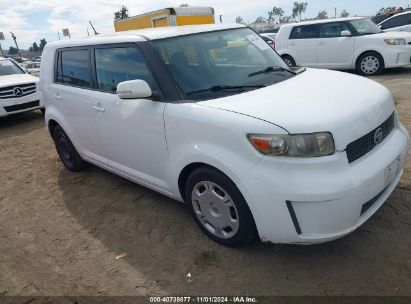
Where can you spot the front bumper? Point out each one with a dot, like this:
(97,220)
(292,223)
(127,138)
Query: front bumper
(398,57)
(316,200)
(17,105)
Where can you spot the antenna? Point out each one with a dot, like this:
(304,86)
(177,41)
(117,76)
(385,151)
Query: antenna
(95,32)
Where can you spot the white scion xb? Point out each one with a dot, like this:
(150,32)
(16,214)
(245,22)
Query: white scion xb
(343,43)
(210,115)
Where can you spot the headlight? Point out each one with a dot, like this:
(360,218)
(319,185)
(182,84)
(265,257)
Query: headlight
(299,145)
(395,41)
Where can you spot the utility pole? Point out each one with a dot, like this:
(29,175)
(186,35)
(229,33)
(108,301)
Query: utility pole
(15,41)
(1,49)
(58,33)
(335,12)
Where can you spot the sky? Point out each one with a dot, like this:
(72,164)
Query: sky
(32,20)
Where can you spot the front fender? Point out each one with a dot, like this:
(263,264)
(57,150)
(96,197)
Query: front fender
(199,134)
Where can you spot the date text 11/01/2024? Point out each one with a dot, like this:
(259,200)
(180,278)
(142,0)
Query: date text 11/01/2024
(203,299)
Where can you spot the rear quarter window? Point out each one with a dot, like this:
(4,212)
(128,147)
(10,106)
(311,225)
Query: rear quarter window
(73,68)
(304,32)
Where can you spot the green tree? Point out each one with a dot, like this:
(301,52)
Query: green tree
(239,19)
(275,14)
(43,43)
(260,20)
(345,14)
(12,50)
(322,15)
(35,47)
(286,19)
(299,8)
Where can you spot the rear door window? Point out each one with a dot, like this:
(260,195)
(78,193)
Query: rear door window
(73,68)
(304,32)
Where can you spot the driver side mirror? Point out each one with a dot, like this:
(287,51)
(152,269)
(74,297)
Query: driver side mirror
(134,89)
(346,34)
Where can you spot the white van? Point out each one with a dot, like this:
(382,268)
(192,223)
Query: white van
(210,115)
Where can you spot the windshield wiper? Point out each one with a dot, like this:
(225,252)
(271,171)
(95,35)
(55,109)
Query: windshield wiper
(218,88)
(270,70)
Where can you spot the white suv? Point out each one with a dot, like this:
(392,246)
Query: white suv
(18,90)
(212,116)
(345,43)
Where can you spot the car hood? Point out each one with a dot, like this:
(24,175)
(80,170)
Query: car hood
(346,105)
(9,80)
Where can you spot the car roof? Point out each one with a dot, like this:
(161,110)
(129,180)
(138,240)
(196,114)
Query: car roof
(145,34)
(322,21)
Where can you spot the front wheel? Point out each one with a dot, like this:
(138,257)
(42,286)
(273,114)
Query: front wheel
(370,64)
(289,61)
(219,208)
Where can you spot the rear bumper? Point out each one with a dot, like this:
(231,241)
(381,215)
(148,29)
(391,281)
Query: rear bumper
(318,200)
(17,105)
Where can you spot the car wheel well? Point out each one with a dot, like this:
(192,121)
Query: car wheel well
(52,125)
(186,172)
(289,57)
(368,52)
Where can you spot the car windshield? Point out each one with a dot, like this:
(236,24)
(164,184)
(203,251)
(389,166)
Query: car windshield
(8,67)
(365,26)
(221,63)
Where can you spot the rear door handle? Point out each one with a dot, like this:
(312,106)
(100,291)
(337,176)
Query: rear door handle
(58,97)
(321,43)
(99,108)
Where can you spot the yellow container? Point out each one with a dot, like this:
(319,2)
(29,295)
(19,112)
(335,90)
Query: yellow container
(167,17)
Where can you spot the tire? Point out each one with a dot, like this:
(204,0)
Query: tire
(219,208)
(370,64)
(289,60)
(66,151)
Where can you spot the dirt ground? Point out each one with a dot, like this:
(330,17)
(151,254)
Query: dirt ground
(60,234)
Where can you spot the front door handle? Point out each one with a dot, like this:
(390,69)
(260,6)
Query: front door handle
(58,97)
(99,108)
(321,43)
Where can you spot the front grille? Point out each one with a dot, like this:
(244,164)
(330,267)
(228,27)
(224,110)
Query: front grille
(17,91)
(23,106)
(365,144)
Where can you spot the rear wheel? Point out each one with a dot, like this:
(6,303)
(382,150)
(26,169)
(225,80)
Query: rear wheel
(289,60)
(218,207)
(370,64)
(66,151)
